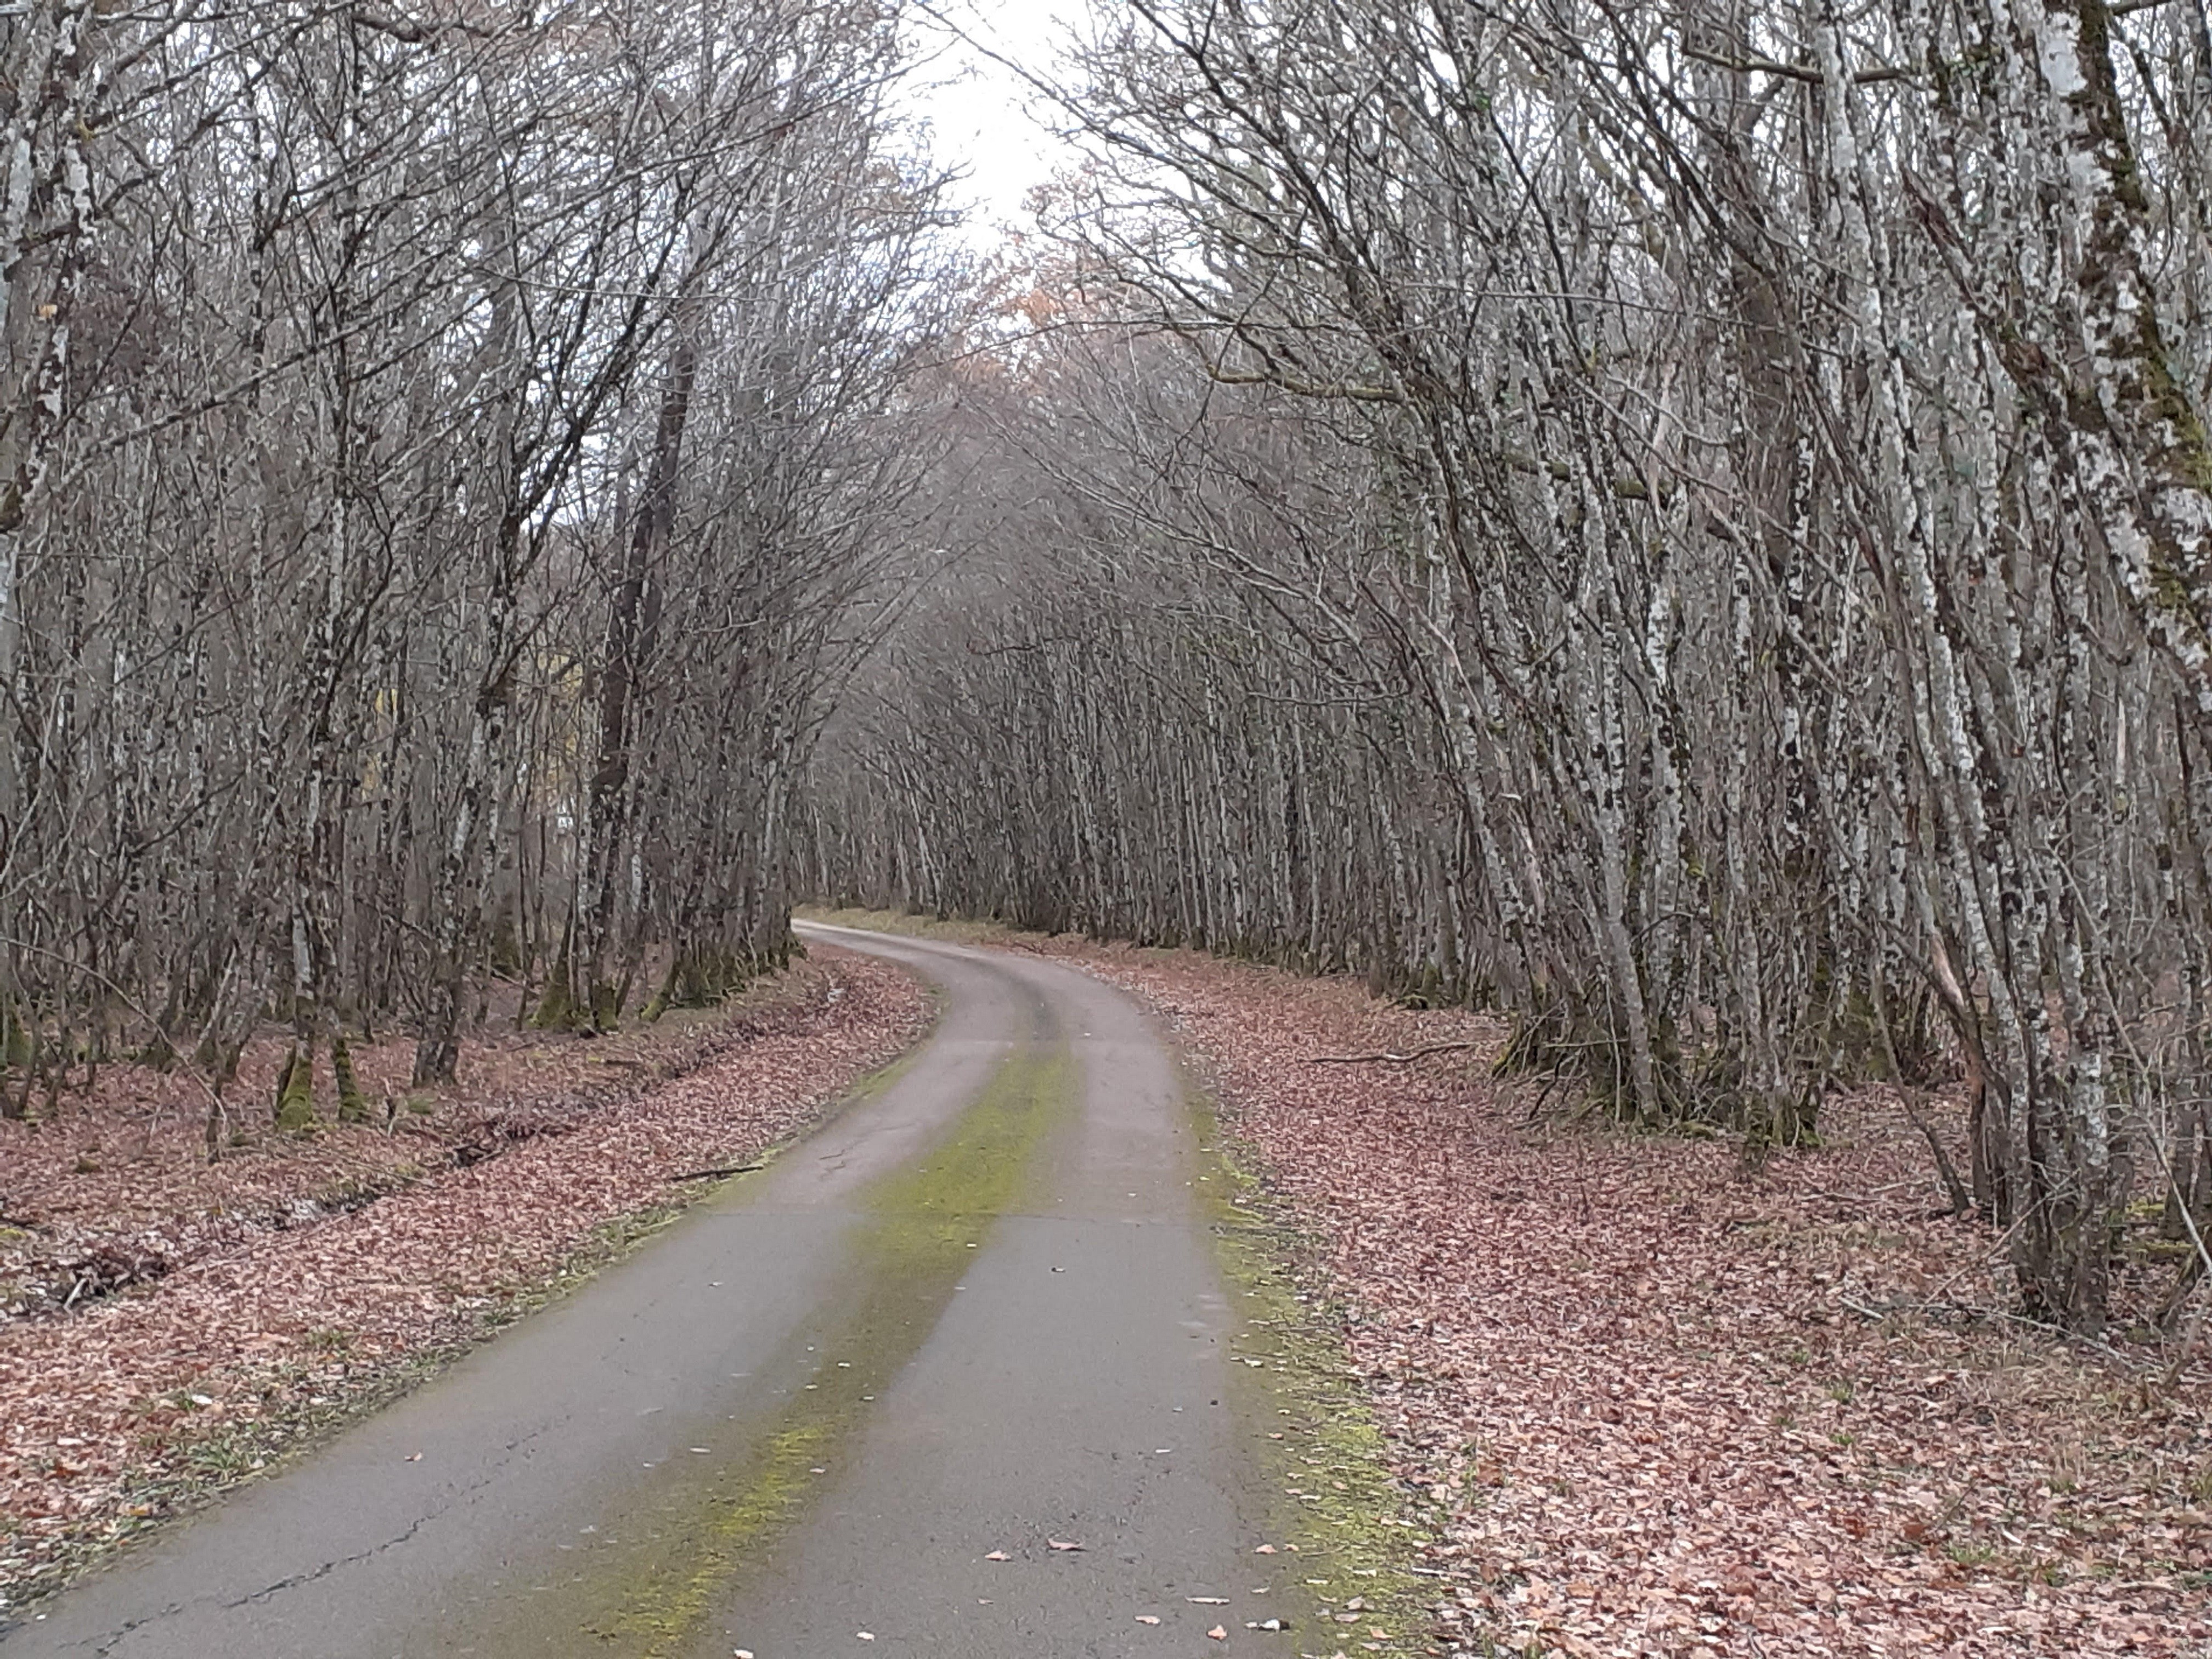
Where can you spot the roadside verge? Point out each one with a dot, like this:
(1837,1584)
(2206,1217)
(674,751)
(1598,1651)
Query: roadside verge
(118,1415)
(1637,1394)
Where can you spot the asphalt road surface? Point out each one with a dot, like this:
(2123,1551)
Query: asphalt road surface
(975,1314)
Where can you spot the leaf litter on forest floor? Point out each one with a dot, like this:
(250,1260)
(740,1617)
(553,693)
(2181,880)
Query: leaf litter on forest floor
(1632,1374)
(187,1383)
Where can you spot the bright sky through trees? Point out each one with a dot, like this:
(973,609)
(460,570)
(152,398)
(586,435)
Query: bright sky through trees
(985,119)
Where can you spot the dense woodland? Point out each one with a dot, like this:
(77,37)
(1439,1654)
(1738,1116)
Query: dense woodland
(1691,525)
(445,454)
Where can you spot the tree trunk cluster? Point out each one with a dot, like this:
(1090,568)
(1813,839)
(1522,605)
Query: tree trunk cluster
(1691,525)
(446,455)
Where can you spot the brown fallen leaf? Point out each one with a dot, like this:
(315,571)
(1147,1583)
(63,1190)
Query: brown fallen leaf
(1062,1544)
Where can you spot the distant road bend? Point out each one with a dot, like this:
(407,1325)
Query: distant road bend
(976,1314)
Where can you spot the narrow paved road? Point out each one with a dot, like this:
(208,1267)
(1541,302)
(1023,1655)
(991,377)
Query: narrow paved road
(975,1314)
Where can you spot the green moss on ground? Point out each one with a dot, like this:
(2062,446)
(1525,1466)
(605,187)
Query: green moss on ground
(1328,1497)
(1334,1509)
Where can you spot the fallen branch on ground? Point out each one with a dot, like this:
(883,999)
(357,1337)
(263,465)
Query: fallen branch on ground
(717,1175)
(1389,1059)
(1961,1203)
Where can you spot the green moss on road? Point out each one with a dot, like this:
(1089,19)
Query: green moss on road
(691,1534)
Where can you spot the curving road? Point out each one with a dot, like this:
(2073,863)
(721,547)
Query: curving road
(976,1314)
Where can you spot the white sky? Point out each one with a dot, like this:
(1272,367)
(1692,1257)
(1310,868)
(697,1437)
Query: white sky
(976,106)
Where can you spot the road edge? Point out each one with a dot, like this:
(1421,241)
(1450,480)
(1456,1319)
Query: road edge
(224,1460)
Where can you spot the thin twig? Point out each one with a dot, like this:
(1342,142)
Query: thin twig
(1982,1316)
(1806,72)
(1961,1203)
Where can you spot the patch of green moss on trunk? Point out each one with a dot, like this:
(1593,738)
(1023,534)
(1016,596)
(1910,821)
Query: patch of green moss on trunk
(296,1091)
(353,1105)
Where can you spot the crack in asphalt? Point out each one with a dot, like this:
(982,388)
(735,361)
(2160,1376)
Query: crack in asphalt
(107,1645)
(253,1597)
(104,1645)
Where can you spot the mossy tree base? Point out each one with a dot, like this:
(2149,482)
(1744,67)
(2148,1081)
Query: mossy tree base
(703,979)
(353,1105)
(557,1010)
(296,1091)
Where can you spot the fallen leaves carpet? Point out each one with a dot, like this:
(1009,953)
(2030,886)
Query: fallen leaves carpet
(298,1275)
(1656,1403)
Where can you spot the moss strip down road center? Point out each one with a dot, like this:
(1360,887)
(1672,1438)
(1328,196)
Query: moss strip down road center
(780,1428)
(672,1554)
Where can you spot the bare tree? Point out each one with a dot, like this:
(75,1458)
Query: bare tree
(335,339)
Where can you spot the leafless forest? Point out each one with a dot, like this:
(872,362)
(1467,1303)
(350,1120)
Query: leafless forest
(446,456)
(1692,525)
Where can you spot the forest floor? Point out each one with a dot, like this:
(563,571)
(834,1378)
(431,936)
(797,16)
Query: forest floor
(169,1326)
(1650,1398)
